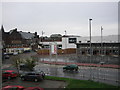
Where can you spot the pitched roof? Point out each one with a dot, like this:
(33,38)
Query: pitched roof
(71,36)
(27,35)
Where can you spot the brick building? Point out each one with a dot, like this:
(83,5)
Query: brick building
(17,41)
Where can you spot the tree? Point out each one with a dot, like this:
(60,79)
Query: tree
(16,62)
(30,63)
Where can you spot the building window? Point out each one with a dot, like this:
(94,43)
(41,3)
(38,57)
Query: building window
(72,40)
(46,46)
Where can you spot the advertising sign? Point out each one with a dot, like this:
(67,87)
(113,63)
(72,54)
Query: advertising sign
(53,49)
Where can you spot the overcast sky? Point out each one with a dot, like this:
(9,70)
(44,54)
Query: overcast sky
(52,17)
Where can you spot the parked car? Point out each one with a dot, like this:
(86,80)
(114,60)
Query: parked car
(102,63)
(9,74)
(34,88)
(13,87)
(33,76)
(71,67)
(15,53)
(24,67)
(6,56)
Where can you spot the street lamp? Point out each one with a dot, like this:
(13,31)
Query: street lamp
(42,44)
(90,46)
(101,52)
(65,32)
(101,41)
(65,52)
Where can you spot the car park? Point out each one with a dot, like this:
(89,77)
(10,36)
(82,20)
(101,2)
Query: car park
(33,76)
(34,88)
(71,67)
(15,53)
(13,87)
(9,74)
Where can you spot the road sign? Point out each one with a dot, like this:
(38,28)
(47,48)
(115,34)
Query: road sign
(53,49)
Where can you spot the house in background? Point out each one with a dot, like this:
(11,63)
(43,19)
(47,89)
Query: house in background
(18,42)
(45,42)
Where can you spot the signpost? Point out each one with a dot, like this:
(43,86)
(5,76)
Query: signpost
(53,48)
(53,51)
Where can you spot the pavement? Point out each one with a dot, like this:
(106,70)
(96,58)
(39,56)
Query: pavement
(66,63)
(46,84)
(81,64)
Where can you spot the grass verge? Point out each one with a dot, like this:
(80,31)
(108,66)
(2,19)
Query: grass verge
(75,83)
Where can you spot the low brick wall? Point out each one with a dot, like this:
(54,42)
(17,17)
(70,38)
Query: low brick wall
(43,52)
(59,51)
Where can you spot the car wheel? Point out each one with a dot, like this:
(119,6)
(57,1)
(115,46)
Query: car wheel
(36,80)
(76,69)
(23,79)
(43,77)
(9,78)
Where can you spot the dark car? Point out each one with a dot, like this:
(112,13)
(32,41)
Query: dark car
(13,87)
(6,56)
(33,76)
(71,67)
(24,67)
(9,74)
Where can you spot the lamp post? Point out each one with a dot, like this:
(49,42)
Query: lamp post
(65,52)
(101,41)
(100,63)
(65,32)
(42,44)
(90,46)
(42,39)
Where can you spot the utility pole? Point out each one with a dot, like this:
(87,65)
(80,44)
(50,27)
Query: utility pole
(101,41)
(101,29)
(90,46)
(42,44)
(65,32)
(65,52)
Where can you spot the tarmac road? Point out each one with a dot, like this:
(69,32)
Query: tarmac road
(106,75)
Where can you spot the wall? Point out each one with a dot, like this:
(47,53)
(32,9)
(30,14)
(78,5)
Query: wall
(59,51)
(48,43)
(66,44)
